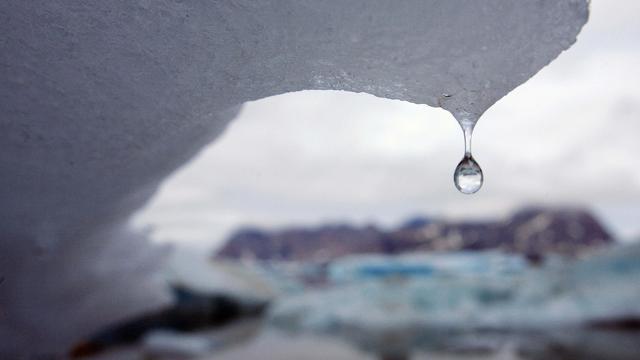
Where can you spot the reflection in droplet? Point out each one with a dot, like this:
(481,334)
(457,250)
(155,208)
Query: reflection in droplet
(468,176)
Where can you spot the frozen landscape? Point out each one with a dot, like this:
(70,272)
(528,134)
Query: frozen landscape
(101,102)
(467,301)
(455,305)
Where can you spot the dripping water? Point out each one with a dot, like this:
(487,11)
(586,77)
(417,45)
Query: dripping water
(468,176)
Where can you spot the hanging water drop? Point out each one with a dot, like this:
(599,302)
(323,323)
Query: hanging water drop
(468,176)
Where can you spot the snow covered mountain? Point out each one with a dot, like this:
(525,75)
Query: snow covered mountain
(533,232)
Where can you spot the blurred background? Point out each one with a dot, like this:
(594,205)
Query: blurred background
(330,221)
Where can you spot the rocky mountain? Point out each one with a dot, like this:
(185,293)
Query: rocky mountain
(533,232)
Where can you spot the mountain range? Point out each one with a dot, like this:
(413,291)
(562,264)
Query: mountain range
(533,232)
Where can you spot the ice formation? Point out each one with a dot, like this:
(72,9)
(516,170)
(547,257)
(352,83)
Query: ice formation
(100,101)
(464,293)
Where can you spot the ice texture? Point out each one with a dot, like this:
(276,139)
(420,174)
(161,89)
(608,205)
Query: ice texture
(102,100)
(465,293)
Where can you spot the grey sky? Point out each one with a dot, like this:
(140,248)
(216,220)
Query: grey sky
(568,135)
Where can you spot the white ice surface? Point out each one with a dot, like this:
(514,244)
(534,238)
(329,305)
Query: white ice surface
(100,101)
(459,297)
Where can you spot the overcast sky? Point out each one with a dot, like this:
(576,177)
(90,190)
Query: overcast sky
(570,135)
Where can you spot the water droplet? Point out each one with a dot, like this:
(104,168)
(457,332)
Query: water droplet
(468,176)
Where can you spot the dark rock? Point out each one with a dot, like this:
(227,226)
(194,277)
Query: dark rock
(192,311)
(317,244)
(533,232)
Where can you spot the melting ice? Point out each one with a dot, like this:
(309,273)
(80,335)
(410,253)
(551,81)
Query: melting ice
(413,296)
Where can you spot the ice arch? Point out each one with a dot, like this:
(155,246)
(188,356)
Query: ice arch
(101,100)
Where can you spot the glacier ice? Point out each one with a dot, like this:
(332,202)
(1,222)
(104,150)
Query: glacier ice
(464,293)
(100,101)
